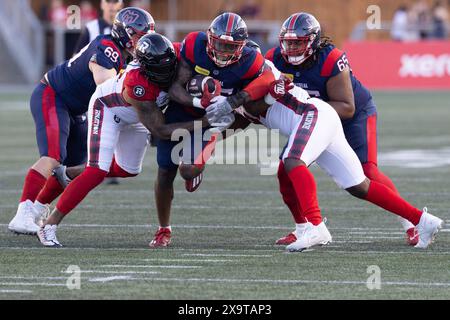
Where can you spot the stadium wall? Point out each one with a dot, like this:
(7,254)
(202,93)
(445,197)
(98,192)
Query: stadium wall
(338,17)
(394,65)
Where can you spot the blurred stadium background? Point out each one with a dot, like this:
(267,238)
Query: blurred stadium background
(35,34)
(223,234)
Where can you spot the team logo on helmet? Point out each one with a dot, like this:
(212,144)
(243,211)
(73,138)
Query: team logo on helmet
(139,91)
(130,16)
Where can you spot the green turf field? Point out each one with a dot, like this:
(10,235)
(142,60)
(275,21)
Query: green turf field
(223,234)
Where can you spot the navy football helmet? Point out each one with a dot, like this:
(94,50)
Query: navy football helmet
(227,36)
(130,25)
(158,59)
(299,37)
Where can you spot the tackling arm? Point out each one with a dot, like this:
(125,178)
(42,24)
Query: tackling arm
(177,91)
(255,90)
(153,119)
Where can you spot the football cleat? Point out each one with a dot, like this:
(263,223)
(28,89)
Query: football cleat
(61,175)
(193,184)
(47,236)
(292,237)
(24,222)
(286,240)
(311,236)
(427,228)
(161,238)
(42,212)
(412,236)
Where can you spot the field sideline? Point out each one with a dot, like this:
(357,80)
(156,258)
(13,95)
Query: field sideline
(224,233)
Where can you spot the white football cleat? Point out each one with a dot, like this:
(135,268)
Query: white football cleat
(24,222)
(47,236)
(311,236)
(428,226)
(42,212)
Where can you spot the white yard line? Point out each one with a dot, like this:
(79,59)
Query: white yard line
(109,279)
(145,266)
(37,284)
(228,255)
(278,281)
(245,227)
(190,260)
(117,272)
(15,291)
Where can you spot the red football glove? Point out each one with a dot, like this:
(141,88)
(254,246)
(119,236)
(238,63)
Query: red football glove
(207,96)
(278,88)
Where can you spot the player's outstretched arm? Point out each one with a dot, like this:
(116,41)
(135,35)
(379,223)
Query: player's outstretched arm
(153,119)
(177,91)
(255,90)
(340,93)
(101,74)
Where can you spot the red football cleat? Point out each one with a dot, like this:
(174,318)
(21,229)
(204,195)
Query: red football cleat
(290,238)
(161,238)
(193,184)
(412,236)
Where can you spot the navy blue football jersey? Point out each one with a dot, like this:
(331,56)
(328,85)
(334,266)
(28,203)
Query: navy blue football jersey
(234,77)
(74,82)
(330,62)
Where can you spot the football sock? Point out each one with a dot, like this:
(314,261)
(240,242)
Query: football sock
(382,196)
(288,193)
(34,182)
(115,171)
(51,191)
(306,191)
(78,189)
(168,227)
(373,173)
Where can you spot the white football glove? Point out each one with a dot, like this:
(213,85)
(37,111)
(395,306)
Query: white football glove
(162,100)
(223,123)
(219,107)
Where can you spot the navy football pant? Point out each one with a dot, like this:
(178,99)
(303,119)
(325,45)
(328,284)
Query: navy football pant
(59,134)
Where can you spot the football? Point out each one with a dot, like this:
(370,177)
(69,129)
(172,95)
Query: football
(195,86)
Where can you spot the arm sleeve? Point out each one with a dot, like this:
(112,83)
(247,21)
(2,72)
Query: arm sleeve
(269,54)
(108,55)
(187,48)
(335,62)
(260,76)
(138,87)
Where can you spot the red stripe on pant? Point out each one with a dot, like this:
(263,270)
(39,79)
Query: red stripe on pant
(372,139)
(96,131)
(305,129)
(51,122)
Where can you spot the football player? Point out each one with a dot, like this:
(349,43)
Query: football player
(120,112)
(323,70)
(58,105)
(221,53)
(316,135)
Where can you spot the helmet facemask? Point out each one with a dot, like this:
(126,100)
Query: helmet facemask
(134,36)
(224,50)
(295,49)
(162,73)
